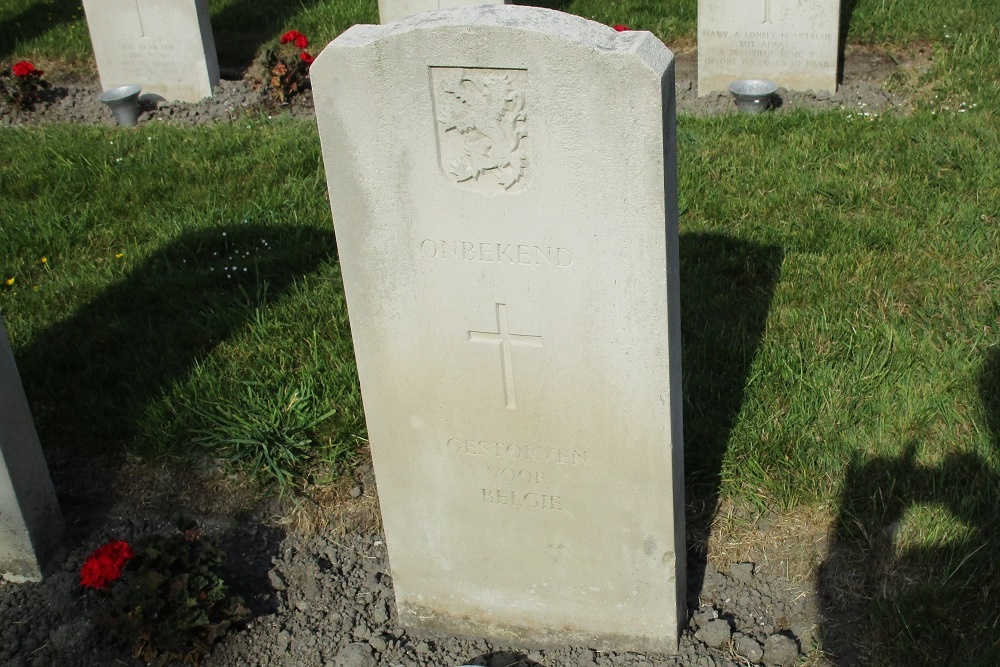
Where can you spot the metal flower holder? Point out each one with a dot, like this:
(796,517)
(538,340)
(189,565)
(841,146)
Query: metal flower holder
(124,103)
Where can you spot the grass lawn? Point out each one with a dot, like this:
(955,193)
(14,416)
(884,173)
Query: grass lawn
(171,291)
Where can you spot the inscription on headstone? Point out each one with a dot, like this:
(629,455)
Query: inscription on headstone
(790,42)
(503,185)
(165,46)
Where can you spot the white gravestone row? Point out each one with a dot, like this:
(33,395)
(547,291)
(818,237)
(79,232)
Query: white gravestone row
(793,43)
(165,46)
(503,185)
(394,10)
(31,524)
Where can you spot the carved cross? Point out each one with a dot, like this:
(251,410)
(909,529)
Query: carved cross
(504,339)
(138,13)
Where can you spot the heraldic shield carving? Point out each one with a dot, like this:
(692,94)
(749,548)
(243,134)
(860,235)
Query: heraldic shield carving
(482,127)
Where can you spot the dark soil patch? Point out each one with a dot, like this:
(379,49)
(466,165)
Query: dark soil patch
(866,88)
(324,597)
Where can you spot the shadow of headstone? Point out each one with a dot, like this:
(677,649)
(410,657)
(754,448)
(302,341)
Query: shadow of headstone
(891,604)
(846,14)
(242,27)
(503,659)
(90,377)
(35,21)
(559,5)
(726,291)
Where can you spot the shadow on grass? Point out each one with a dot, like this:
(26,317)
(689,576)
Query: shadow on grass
(35,21)
(90,377)
(559,5)
(726,291)
(935,604)
(242,27)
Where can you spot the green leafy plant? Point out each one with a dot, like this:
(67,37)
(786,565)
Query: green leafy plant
(169,604)
(286,67)
(269,434)
(21,85)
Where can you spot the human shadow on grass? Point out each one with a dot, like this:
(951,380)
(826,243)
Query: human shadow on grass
(34,22)
(726,291)
(937,604)
(90,378)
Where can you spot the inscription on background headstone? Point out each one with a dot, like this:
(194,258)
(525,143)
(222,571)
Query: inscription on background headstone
(31,524)
(790,42)
(165,46)
(393,10)
(503,185)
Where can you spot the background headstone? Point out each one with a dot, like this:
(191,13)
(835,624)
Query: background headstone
(503,183)
(793,43)
(165,46)
(31,524)
(393,10)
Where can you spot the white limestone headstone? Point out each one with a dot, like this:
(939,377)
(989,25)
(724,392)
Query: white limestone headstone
(165,46)
(793,43)
(393,10)
(503,185)
(31,524)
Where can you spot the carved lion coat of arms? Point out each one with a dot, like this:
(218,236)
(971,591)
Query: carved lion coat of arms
(482,127)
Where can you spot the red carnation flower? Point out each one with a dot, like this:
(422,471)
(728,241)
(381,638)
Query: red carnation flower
(306,58)
(619,27)
(295,36)
(105,565)
(24,69)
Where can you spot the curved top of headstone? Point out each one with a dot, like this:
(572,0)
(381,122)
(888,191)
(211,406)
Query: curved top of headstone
(549,22)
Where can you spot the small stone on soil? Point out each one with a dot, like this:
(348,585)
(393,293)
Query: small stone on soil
(780,651)
(715,633)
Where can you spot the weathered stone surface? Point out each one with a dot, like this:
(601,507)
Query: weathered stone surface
(394,10)
(503,186)
(31,524)
(790,42)
(165,46)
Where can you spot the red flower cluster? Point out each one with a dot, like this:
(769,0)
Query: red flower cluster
(24,69)
(301,41)
(295,36)
(619,27)
(105,565)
